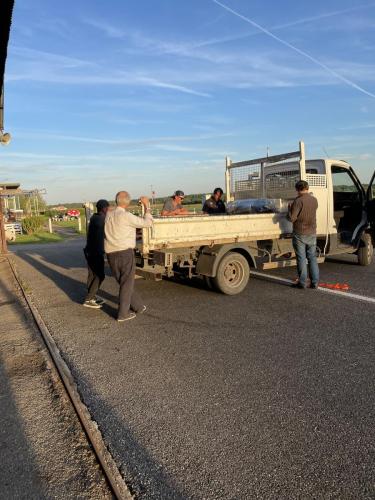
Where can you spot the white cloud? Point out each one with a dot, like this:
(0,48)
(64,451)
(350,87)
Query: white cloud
(147,141)
(106,28)
(365,156)
(358,126)
(34,65)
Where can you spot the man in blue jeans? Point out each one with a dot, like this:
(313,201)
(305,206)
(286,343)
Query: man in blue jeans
(302,212)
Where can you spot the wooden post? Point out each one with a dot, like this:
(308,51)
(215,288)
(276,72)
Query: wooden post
(227,179)
(89,210)
(302,161)
(79,224)
(3,241)
(50,225)
(263,178)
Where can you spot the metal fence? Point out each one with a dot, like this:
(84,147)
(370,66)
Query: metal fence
(265,180)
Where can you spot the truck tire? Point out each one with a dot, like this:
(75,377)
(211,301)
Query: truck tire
(232,274)
(365,250)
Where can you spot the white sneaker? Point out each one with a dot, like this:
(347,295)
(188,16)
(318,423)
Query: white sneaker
(127,317)
(142,310)
(92,304)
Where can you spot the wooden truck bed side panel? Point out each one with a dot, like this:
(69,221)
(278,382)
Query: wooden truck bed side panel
(175,232)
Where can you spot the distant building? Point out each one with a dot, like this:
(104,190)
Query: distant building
(9,194)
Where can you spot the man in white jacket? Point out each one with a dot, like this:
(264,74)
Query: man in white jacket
(119,244)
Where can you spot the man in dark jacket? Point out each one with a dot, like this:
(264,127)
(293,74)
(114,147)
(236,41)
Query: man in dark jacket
(215,205)
(302,212)
(94,253)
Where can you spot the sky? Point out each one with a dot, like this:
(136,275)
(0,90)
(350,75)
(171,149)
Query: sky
(156,93)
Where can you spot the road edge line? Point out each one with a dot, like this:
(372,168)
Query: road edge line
(348,295)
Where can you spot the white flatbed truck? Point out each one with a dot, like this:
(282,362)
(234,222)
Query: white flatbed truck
(224,248)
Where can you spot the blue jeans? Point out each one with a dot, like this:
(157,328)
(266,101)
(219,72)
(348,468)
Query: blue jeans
(305,247)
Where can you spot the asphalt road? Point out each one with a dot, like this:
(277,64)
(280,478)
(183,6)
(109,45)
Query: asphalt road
(269,394)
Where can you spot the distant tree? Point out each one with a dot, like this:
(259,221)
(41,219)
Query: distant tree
(29,203)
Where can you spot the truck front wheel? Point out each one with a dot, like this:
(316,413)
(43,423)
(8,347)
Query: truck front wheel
(365,250)
(232,274)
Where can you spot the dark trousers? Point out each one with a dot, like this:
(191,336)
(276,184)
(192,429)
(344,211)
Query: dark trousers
(123,269)
(96,275)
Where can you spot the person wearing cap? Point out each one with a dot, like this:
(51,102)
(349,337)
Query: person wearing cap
(215,205)
(173,206)
(94,253)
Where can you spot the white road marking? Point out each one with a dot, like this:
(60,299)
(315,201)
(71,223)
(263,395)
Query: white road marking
(348,295)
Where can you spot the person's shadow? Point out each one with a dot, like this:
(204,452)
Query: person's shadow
(73,288)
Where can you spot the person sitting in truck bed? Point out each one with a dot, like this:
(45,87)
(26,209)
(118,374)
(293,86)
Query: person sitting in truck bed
(173,206)
(215,205)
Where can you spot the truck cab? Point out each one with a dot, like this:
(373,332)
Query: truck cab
(345,216)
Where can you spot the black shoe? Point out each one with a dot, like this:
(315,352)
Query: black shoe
(298,285)
(314,287)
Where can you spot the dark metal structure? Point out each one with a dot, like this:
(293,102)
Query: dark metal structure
(6,11)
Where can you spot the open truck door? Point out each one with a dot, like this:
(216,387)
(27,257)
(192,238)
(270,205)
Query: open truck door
(370,205)
(366,247)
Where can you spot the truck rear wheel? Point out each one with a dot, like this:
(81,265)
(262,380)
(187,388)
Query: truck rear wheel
(232,274)
(365,250)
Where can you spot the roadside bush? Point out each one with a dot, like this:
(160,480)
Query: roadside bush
(32,224)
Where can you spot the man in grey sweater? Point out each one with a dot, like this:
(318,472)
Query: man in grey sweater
(119,244)
(302,212)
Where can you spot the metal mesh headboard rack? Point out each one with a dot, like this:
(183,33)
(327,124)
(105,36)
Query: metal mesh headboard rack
(248,179)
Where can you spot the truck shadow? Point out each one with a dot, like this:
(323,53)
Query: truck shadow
(337,260)
(195,282)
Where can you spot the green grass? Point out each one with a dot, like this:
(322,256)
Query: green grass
(42,237)
(67,223)
(71,224)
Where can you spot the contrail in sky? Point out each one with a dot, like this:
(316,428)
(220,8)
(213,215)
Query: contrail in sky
(296,49)
(289,24)
(324,16)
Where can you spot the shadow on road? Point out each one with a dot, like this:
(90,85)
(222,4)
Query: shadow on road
(335,260)
(146,477)
(18,472)
(74,289)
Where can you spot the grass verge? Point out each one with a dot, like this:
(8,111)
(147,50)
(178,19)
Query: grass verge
(42,237)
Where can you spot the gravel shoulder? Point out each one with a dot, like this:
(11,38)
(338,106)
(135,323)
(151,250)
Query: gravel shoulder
(43,450)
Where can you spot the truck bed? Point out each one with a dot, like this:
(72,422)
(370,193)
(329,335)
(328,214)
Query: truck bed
(199,230)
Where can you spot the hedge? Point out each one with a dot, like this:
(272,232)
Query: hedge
(32,224)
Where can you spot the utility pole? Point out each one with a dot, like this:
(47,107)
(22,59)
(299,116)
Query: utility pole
(3,241)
